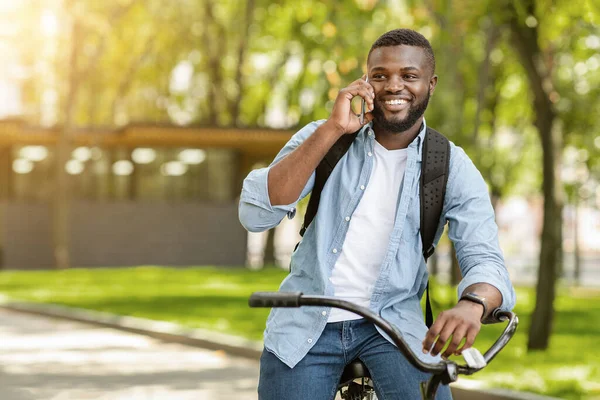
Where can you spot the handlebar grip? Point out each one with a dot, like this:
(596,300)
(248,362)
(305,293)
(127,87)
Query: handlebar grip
(498,316)
(502,316)
(275,299)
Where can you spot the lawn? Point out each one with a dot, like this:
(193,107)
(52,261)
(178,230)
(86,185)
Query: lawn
(216,299)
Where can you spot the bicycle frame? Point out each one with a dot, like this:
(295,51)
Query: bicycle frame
(443,372)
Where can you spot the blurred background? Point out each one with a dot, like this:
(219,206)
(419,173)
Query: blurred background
(127,127)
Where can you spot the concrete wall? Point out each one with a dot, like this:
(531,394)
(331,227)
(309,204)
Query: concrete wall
(125,234)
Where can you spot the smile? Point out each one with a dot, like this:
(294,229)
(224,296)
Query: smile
(396,102)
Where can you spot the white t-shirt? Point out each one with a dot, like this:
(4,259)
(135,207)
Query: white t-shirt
(357,268)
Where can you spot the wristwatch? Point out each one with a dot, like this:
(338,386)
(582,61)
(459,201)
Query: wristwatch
(476,299)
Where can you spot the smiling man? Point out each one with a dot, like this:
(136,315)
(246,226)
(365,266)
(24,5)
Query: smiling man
(364,244)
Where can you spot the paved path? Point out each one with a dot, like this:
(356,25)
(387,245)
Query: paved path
(51,359)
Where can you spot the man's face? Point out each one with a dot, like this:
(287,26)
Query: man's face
(403,81)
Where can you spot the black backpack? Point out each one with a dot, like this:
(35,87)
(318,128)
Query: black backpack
(434,176)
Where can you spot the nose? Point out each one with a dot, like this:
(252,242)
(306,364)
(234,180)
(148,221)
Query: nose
(394,84)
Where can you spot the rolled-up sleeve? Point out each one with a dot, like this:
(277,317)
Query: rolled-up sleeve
(473,230)
(256,213)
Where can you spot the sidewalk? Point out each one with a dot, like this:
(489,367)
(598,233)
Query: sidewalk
(233,345)
(45,358)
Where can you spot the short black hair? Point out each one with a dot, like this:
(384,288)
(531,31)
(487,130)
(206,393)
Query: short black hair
(406,37)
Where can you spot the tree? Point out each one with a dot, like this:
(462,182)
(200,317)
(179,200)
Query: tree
(525,38)
(61,190)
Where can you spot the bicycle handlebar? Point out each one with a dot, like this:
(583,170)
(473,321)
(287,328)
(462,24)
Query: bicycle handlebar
(449,369)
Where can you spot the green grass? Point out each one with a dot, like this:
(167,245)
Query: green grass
(569,369)
(209,298)
(216,298)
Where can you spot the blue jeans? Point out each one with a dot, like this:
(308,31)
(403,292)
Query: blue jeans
(317,375)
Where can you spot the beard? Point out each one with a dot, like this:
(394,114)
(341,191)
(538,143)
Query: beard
(394,125)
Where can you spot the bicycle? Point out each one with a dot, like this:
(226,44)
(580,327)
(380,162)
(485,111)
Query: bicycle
(443,372)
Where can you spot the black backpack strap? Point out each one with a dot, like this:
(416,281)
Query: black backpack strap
(324,169)
(434,176)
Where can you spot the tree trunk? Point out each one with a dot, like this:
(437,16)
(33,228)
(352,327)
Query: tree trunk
(525,41)
(484,81)
(269,254)
(6,161)
(542,318)
(487,78)
(242,51)
(62,188)
(215,41)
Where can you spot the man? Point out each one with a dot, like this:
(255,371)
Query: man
(364,243)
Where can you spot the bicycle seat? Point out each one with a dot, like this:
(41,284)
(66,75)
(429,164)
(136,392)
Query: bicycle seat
(356,369)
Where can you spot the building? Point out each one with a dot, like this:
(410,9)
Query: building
(142,194)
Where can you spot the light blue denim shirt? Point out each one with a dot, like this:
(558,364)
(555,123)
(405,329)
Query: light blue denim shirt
(291,332)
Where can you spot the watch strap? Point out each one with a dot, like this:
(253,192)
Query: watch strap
(476,299)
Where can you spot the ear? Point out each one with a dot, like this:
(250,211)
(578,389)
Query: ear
(432,84)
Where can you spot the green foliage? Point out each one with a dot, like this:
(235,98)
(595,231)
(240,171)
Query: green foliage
(260,63)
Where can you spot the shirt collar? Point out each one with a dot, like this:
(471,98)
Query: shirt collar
(417,143)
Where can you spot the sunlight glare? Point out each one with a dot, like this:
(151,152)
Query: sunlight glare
(22,166)
(49,23)
(123,168)
(173,168)
(74,167)
(34,153)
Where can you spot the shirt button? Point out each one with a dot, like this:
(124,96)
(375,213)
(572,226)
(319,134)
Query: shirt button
(324,313)
(369,154)
(362,187)
(370,132)
(347,219)
(309,340)
(334,251)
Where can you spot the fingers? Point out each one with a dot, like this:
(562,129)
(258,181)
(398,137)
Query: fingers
(343,113)
(363,90)
(471,335)
(433,333)
(457,337)
(443,338)
(450,330)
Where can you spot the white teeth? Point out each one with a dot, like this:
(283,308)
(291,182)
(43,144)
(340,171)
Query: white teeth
(392,102)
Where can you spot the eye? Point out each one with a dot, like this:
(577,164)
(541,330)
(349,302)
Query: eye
(410,76)
(378,76)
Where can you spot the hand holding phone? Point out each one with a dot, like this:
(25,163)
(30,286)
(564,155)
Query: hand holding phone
(344,117)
